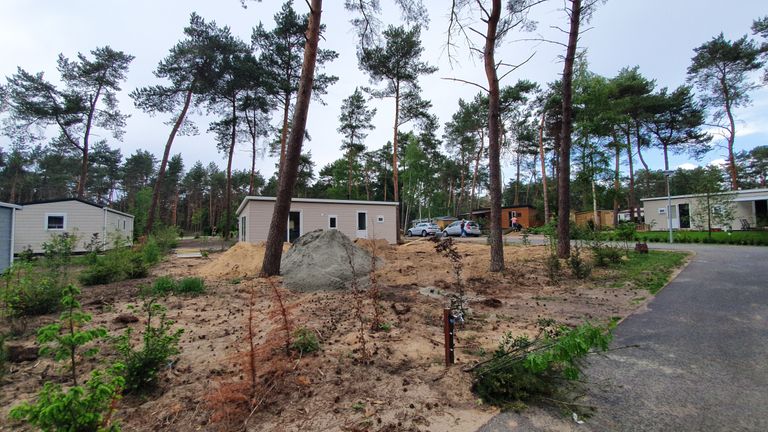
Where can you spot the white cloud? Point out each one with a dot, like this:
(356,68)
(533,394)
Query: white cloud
(687,166)
(718,162)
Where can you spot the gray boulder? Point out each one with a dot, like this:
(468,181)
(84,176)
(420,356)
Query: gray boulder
(320,260)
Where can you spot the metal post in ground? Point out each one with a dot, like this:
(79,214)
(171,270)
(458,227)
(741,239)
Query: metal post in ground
(448,330)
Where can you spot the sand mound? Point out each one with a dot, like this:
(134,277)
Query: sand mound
(241,260)
(320,260)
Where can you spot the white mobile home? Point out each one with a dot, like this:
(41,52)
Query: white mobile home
(356,219)
(7,222)
(39,220)
(750,210)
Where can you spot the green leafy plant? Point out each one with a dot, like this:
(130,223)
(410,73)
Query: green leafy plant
(304,341)
(167,238)
(160,343)
(63,339)
(554,267)
(3,356)
(385,326)
(82,409)
(606,254)
(580,268)
(151,251)
(522,369)
(116,265)
(164,285)
(191,285)
(25,291)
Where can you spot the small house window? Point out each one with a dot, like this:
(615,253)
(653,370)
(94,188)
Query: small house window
(332,222)
(662,210)
(243,225)
(361,221)
(123,223)
(380,219)
(55,221)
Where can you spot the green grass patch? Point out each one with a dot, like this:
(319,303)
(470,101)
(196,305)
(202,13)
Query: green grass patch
(647,271)
(747,238)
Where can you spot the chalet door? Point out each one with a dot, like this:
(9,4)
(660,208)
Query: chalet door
(362,225)
(684,212)
(294,226)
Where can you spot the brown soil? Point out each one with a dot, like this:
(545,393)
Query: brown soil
(404,386)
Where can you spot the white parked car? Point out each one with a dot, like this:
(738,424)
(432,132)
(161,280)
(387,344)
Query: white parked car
(423,229)
(454,229)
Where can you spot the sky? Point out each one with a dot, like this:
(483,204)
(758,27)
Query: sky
(656,35)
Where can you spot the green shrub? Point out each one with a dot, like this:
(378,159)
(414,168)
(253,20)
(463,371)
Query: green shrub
(164,285)
(87,409)
(151,251)
(522,369)
(159,344)
(606,254)
(553,267)
(580,268)
(191,285)
(304,341)
(63,339)
(116,265)
(26,291)
(3,356)
(167,238)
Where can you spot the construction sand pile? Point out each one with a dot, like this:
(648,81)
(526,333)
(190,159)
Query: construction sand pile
(241,260)
(320,260)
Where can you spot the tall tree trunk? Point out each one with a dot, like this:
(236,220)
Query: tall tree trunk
(228,192)
(85,149)
(395,180)
(277,227)
(494,141)
(284,133)
(642,160)
(164,163)
(616,183)
(564,176)
(474,173)
(349,175)
(252,178)
(631,177)
(517,179)
(543,169)
(174,207)
(731,138)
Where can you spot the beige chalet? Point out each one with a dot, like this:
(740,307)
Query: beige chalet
(356,219)
(38,221)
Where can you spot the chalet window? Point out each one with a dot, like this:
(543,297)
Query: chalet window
(380,219)
(55,221)
(243,224)
(362,221)
(333,222)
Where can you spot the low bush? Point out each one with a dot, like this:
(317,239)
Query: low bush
(164,285)
(580,268)
(87,408)
(191,285)
(167,238)
(27,292)
(523,369)
(116,265)
(606,254)
(159,345)
(554,267)
(304,341)
(151,251)
(3,356)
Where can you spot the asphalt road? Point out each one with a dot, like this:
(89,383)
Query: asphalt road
(702,364)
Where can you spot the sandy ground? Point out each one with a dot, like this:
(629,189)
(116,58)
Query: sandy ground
(402,387)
